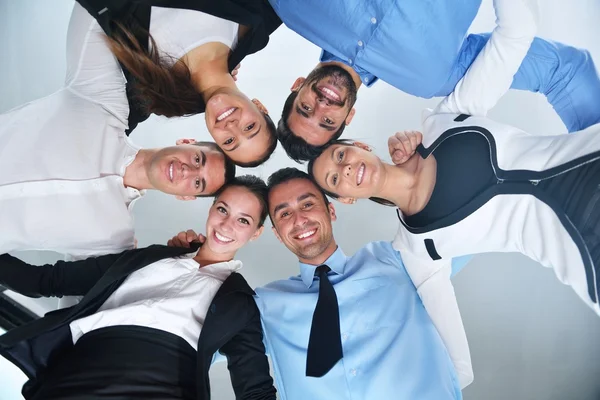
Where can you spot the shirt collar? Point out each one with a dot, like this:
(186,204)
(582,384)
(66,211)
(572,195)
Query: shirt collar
(337,263)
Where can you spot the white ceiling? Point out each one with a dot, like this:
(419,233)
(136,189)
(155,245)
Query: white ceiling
(530,336)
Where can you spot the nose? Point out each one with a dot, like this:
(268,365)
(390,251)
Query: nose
(226,225)
(300,219)
(348,170)
(232,121)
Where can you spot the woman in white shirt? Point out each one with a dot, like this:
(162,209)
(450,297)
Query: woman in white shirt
(150,321)
(183,70)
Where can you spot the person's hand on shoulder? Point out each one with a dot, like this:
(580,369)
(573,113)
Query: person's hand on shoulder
(403,145)
(184,238)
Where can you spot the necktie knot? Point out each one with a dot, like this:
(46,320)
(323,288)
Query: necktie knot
(322,270)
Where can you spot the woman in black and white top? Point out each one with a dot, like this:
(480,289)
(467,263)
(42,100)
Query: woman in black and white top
(182,66)
(476,186)
(150,321)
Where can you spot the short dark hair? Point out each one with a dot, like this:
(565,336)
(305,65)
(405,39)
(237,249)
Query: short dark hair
(287,174)
(228,164)
(254,185)
(272,132)
(297,148)
(311,173)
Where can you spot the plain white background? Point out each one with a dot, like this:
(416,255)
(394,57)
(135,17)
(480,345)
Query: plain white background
(530,336)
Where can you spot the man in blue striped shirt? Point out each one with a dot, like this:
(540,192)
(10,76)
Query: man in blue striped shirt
(419,47)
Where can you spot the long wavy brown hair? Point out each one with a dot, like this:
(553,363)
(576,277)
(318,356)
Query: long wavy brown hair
(160,85)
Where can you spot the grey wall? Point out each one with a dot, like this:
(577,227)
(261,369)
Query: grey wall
(530,336)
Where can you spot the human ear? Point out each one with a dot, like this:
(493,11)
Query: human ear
(297,83)
(363,146)
(186,198)
(185,141)
(350,116)
(276,234)
(346,200)
(260,106)
(258,232)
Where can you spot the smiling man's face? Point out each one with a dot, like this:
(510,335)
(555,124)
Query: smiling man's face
(323,104)
(302,219)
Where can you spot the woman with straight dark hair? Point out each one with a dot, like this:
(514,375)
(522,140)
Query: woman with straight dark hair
(180,62)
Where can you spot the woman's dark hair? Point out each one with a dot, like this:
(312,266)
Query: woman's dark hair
(310,170)
(254,185)
(160,88)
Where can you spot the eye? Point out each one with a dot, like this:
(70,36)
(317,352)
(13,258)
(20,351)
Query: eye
(244,221)
(306,205)
(334,180)
(340,156)
(197,159)
(197,183)
(305,107)
(228,141)
(328,121)
(222,210)
(250,127)
(284,214)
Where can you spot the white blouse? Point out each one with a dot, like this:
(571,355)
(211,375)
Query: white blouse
(63,157)
(177,31)
(172,295)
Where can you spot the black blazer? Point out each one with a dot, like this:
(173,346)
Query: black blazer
(258,15)
(232,325)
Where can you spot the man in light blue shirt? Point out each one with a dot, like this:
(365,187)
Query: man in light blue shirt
(418,47)
(391,349)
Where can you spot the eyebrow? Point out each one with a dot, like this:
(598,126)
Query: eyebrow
(322,125)
(203,185)
(244,214)
(237,144)
(203,158)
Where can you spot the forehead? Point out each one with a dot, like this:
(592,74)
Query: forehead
(240,199)
(289,192)
(253,148)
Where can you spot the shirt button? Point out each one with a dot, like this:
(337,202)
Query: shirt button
(350,61)
(367,80)
(353,372)
(345,336)
(373,20)
(360,43)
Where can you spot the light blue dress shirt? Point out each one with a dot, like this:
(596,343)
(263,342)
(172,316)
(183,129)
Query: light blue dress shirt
(391,348)
(419,47)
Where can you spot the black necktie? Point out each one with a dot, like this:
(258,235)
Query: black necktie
(325,343)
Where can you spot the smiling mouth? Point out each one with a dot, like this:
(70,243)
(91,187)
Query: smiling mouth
(222,239)
(226,114)
(171,172)
(360,174)
(330,94)
(306,235)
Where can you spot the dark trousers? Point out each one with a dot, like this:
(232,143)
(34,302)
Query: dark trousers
(122,362)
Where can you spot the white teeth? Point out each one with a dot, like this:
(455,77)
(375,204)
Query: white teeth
(226,114)
(171,172)
(222,238)
(361,171)
(306,234)
(331,93)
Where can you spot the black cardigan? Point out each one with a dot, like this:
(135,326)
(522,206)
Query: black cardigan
(258,15)
(232,325)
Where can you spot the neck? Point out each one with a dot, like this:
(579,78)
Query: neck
(401,184)
(209,69)
(205,256)
(136,173)
(349,69)
(321,258)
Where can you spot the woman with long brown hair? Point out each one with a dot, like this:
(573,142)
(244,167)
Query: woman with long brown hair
(178,62)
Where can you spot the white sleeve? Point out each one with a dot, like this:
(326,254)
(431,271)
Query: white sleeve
(492,72)
(93,72)
(432,280)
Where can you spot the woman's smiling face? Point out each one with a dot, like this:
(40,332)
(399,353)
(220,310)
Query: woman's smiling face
(349,170)
(233,220)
